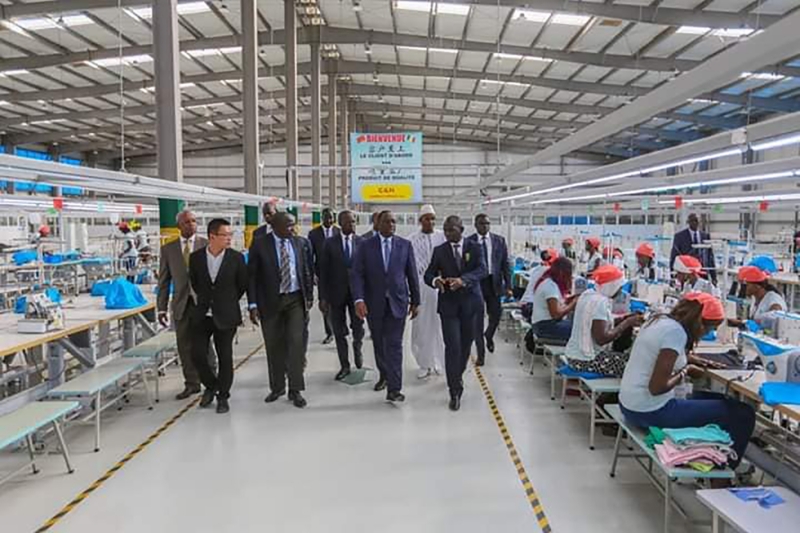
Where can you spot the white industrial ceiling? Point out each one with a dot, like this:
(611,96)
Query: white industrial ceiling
(494,72)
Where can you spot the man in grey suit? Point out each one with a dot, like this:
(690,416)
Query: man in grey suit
(174,270)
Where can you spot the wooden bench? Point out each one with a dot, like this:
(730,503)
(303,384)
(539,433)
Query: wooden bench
(92,383)
(641,453)
(24,422)
(152,351)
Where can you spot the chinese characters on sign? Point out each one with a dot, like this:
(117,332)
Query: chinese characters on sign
(386,167)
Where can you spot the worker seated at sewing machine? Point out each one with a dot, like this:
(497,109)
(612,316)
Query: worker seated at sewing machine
(766,301)
(645,262)
(689,276)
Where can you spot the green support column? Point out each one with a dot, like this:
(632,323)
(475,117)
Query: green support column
(250,223)
(316,219)
(167,219)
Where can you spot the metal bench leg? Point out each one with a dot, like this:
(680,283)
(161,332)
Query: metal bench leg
(617,444)
(29,442)
(147,389)
(63,445)
(97,407)
(552,379)
(592,420)
(667,503)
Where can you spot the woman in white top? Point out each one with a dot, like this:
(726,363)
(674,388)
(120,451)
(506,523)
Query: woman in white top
(688,274)
(129,254)
(593,327)
(645,262)
(766,300)
(594,258)
(552,303)
(547,257)
(659,364)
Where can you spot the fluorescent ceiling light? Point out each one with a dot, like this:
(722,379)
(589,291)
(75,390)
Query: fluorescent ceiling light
(452,9)
(737,199)
(703,101)
(766,76)
(529,15)
(14,72)
(776,143)
(519,57)
(4,102)
(732,32)
(423,49)
(500,82)
(692,160)
(48,23)
(188,8)
(692,30)
(115,61)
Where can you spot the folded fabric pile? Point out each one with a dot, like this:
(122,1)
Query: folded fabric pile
(702,449)
(766,498)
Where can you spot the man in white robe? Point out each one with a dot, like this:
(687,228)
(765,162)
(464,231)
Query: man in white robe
(427,343)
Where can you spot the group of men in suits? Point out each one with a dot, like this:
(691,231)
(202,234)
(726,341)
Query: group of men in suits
(373,278)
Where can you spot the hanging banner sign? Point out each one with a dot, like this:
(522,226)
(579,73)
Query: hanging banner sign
(58,203)
(678,202)
(763,206)
(386,167)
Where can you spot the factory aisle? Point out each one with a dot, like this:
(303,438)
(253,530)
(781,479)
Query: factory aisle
(349,462)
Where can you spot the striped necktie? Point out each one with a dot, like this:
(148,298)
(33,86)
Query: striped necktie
(286,269)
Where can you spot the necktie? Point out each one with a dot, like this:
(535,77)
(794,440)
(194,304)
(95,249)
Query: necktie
(457,253)
(387,254)
(186,252)
(286,272)
(347,251)
(485,251)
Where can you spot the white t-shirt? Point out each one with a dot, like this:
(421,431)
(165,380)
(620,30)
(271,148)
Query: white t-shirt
(533,277)
(594,262)
(663,334)
(760,311)
(701,285)
(591,306)
(546,291)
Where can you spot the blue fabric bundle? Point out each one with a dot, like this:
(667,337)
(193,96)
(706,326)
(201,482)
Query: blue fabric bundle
(100,288)
(21,303)
(23,257)
(569,372)
(776,392)
(766,498)
(122,294)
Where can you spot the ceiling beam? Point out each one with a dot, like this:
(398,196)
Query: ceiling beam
(776,43)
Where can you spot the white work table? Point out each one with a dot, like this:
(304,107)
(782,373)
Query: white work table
(750,517)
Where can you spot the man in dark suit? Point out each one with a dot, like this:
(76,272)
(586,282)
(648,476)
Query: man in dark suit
(281,292)
(683,244)
(456,270)
(494,286)
(174,271)
(335,296)
(218,277)
(375,221)
(385,287)
(318,236)
(268,210)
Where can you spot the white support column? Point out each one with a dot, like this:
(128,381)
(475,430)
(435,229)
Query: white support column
(290,34)
(166,54)
(332,137)
(344,146)
(316,124)
(252,172)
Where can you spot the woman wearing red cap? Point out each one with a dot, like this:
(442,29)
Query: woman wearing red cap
(547,257)
(552,303)
(567,249)
(766,300)
(659,364)
(594,259)
(593,330)
(645,262)
(689,274)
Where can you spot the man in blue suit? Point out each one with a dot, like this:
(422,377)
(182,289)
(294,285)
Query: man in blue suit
(683,244)
(494,286)
(456,270)
(385,287)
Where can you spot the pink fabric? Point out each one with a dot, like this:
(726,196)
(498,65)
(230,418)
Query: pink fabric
(671,456)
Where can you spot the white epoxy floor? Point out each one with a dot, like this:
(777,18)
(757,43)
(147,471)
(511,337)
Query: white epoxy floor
(348,463)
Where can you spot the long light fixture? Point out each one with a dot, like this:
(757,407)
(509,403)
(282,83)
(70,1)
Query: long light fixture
(116,61)
(678,186)
(640,172)
(738,199)
(428,49)
(776,143)
(519,57)
(96,207)
(187,8)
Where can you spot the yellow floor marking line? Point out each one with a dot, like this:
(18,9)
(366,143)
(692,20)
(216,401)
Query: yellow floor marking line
(530,492)
(133,453)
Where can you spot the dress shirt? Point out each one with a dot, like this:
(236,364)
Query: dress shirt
(294,286)
(214,263)
(328,232)
(191,242)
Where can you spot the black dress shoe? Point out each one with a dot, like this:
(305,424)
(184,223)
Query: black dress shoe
(222,406)
(188,391)
(490,345)
(359,360)
(455,402)
(208,398)
(274,395)
(480,362)
(297,399)
(380,385)
(395,396)
(343,373)
(328,339)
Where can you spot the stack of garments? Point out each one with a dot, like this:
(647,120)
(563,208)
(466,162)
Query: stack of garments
(702,449)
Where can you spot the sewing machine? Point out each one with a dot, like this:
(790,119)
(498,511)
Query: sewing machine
(41,315)
(787,328)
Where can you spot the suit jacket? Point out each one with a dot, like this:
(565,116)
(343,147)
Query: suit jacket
(370,283)
(500,269)
(265,276)
(172,269)
(222,295)
(260,231)
(334,278)
(471,271)
(368,234)
(317,238)
(682,245)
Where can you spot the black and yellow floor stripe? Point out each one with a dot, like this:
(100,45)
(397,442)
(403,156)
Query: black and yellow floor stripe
(133,453)
(530,492)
